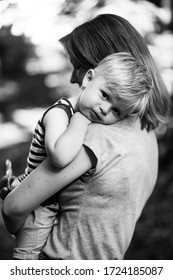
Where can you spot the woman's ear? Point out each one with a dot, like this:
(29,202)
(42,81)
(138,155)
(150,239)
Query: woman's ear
(88,77)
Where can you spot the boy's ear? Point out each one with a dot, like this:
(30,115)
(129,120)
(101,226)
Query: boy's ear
(88,77)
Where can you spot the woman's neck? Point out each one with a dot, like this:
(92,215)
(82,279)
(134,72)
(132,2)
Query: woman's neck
(75,101)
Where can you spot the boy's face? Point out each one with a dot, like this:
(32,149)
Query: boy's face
(97,103)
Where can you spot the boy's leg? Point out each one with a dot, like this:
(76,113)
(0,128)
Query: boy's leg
(34,233)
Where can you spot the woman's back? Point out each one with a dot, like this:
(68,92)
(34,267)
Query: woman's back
(99,211)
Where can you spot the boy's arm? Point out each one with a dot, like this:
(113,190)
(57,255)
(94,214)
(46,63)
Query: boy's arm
(40,184)
(55,122)
(64,148)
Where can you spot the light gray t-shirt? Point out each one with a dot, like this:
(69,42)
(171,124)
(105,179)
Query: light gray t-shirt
(99,211)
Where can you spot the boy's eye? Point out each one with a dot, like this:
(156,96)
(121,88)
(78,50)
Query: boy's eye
(116,111)
(104,94)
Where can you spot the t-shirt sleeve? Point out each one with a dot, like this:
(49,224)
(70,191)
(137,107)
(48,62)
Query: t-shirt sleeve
(96,141)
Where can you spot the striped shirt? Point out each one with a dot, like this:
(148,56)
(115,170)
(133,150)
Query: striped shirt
(37,152)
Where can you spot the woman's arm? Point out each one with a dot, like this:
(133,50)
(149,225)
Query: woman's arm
(42,183)
(64,148)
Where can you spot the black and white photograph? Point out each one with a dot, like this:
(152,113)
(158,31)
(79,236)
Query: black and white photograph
(86,130)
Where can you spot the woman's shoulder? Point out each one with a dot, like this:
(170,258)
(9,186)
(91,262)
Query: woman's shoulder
(118,137)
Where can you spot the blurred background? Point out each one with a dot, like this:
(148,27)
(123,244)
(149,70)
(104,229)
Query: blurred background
(35,72)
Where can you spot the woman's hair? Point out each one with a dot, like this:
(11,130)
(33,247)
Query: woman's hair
(130,85)
(106,34)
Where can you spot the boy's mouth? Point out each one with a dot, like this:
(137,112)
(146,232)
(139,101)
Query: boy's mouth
(95,116)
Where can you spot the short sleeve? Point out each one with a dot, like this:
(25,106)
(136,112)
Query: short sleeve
(98,141)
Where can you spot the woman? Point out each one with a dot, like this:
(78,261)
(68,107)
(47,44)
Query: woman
(109,182)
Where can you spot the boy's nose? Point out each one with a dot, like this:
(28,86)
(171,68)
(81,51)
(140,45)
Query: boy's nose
(105,108)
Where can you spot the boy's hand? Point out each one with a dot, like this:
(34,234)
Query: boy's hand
(80,117)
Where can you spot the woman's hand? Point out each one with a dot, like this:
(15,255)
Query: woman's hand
(4,190)
(7,180)
(39,185)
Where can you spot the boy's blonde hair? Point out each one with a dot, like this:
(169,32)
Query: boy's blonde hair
(130,83)
(107,34)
